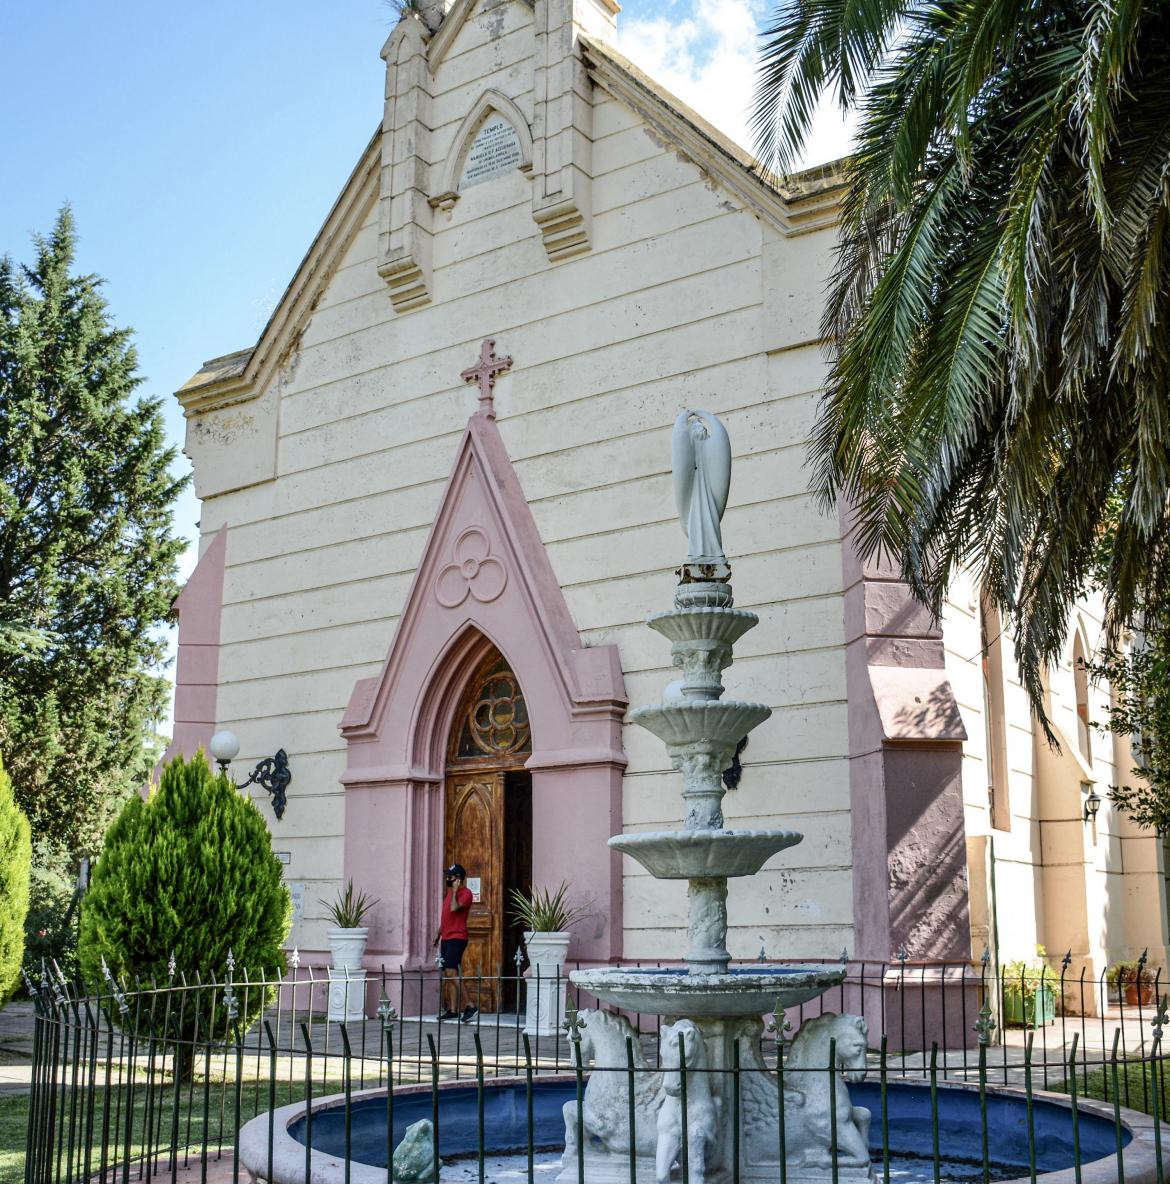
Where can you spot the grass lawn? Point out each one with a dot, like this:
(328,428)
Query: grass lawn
(14,1109)
(13,1123)
(1135,1086)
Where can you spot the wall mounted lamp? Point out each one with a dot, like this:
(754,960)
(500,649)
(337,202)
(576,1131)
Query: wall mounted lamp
(271,774)
(1092,805)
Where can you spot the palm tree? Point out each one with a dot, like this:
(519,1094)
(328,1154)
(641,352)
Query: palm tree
(999,394)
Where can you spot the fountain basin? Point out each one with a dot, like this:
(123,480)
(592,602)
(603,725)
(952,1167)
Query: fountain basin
(505,1134)
(720,721)
(697,854)
(754,990)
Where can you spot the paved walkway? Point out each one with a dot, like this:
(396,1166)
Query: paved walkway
(503,1051)
(16,1038)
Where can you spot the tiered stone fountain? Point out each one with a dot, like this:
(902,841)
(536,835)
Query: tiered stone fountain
(719,1006)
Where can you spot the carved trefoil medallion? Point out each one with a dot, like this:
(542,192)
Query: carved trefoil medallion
(473,571)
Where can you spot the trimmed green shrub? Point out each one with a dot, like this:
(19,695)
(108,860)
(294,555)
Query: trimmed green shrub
(15,861)
(188,871)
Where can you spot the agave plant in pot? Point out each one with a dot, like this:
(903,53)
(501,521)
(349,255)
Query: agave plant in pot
(347,945)
(546,917)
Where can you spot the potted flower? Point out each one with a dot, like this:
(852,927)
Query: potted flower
(1113,973)
(546,917)
(347,945)
(1135,983)
(1028,996)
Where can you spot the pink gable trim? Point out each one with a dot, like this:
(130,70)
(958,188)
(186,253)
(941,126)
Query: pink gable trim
(197,666)
(484,580)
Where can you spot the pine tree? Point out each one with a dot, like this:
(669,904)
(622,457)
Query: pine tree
(87,557)
(188,871)
(15,860)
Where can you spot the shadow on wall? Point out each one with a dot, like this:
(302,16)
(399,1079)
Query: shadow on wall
(929,914)
(927,846)
(932,715)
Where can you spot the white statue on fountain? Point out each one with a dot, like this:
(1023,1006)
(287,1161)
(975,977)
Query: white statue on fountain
(605,1109)
(702,479)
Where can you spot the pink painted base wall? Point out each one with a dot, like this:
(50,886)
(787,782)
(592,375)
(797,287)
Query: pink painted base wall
(199,606)
(905,757)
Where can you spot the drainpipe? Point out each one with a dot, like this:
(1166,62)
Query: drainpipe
(993,931)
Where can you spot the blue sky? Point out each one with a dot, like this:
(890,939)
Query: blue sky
(202,145)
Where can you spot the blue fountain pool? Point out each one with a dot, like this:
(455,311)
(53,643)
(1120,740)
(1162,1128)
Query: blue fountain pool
(910,1134)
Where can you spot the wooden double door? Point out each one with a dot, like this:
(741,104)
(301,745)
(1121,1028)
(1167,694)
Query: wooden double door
(488,827)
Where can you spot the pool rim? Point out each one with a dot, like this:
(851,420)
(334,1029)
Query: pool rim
(288,1155)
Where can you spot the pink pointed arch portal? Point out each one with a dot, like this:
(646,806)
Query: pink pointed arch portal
(484,581)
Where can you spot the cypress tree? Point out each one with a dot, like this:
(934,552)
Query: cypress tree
(188,871)
(87,557)
(15,860)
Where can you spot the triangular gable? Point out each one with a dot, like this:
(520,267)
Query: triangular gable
(483,577)
(793,205)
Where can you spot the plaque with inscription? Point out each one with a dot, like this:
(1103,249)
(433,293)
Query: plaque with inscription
(494,151)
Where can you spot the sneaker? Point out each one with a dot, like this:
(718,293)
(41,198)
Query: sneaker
(449,1015)
(469,1013)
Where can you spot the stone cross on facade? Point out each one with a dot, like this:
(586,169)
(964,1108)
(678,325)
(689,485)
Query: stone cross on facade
(484,375)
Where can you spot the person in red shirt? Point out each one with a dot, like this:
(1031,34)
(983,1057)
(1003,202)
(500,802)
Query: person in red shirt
(452,938)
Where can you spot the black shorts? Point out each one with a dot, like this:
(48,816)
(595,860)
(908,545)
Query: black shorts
(451,950)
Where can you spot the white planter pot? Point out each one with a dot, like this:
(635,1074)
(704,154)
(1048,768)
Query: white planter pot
(544,998)
(347,978)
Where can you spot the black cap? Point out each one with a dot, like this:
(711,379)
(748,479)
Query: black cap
(457,869)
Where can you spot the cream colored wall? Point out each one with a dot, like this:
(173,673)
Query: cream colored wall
(1016,851)
(1059,882)
(674,306)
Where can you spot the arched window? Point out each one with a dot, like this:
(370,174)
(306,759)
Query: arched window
(1081,685)
(493,717)
(994,720)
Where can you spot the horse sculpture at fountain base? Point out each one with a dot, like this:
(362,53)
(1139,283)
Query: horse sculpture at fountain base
(701,1126)
(607,1041)
(820,1120)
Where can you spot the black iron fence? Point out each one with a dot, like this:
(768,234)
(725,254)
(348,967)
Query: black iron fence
(155,1081)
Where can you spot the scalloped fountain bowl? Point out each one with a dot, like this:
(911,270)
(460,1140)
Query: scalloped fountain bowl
(687,854)
(741,991)
(683,721)
(712,625)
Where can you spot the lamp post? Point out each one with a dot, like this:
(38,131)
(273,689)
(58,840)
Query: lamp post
(271,774)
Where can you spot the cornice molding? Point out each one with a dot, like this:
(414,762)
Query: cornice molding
(793,205)
(242,376)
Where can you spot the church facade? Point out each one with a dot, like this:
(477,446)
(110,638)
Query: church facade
(436,510)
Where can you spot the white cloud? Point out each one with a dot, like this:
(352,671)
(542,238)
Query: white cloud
(708,59)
